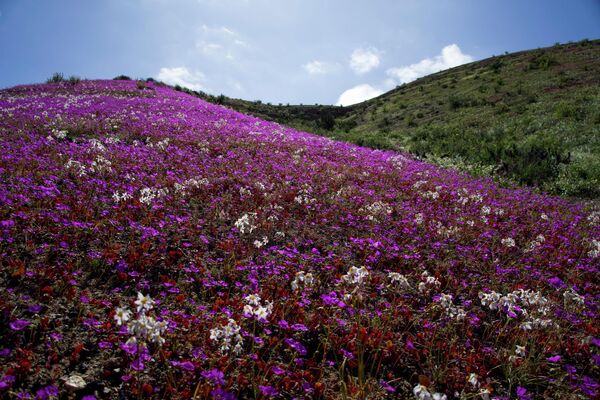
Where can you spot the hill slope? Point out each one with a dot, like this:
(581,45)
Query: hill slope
(531,116)
(153,245)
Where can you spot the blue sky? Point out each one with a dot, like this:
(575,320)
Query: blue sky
(279,51)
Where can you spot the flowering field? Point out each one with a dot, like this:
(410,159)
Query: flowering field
(153,245)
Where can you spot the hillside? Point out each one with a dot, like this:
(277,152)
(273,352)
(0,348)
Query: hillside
(532,117)
(154,245)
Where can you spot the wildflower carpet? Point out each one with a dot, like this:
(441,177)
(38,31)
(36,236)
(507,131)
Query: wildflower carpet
(153,245)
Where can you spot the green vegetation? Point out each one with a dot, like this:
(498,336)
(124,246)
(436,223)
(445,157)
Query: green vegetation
(56,78)
(531,117)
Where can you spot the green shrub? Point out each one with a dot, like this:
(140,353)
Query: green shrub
(74,80)
(581,178)
(121,78)
(542,60)
(57,77)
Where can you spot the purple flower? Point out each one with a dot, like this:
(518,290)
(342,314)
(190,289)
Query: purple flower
(554,359)
(347,354)
(386,386)
(216,376)
(186,365)
(556,282)
(283,324)
(277,371)
(47,392)
(7,223)
(129,348)
(299,327)
(331,299)
(6,381)
(522,393)
(268,391)
(294,344)
(589,386)
(57,337)
(137,364)
(19,325)
(220,394)
(35,308)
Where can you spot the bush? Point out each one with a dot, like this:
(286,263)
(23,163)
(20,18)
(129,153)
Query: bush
(121,78)
(57,77)
(581,178)
(542,60)
(74,80)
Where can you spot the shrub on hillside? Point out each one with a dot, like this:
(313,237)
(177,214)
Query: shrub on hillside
(57,77)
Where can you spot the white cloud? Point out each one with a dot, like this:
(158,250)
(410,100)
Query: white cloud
(318,67)
(364,60)
(358,94)
(451,56)
(220,42)
(182,76)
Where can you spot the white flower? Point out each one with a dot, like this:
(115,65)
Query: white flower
(397,278)
(245,224)
(574,297)
(355,275)
(122,315)
(520,351)
(419,218)
(526,326)
(148,194)
(595,252)
(253,299)
(421,393)
(474,379)
(227,335)
(377,209)
(262,312)
(302,278)
(508,242)
(254,307)
(260,243)
(144,303)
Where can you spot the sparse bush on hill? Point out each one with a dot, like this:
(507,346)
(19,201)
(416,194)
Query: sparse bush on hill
(74,80)
(57,77)
(140,84)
